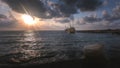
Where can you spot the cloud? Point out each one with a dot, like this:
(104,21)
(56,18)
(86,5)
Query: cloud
(5,22)
(91,19)
(67,10)
(53,8)
(111,17)
(80,22)
(34,7)
(106,2)
(62,20)
(108,20)
(70,2)
(4,8)
(106,15)
(2,16)
(115,14)
(84,5)
(88,5)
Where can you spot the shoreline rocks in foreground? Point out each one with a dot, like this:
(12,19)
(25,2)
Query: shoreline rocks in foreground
(94,56)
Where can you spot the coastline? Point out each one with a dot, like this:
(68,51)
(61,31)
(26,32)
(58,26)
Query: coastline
(114,31)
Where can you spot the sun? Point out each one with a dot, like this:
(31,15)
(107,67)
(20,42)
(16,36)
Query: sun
(29,20)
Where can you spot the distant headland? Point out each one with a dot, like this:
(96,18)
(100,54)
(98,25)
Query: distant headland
(114,31)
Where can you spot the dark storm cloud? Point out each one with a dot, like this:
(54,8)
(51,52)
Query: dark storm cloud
(89,5)
(67,10)
(62,8)
(70,2)
(34,7)
(84,5)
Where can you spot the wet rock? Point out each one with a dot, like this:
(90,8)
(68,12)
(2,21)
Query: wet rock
(94,56)
(95,50)
(14,60)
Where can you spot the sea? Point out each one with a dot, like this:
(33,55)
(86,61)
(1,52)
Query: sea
(31,47)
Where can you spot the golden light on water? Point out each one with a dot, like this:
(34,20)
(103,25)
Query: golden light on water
(28,20)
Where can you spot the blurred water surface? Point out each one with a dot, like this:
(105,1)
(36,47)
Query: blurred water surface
(51,46)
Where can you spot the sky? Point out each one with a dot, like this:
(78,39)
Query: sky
(58,14)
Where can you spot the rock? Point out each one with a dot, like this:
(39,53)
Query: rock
(95,50)
(94,55)
(14,60)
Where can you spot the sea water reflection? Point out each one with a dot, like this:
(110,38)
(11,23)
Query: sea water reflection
(50,46)
(28,47)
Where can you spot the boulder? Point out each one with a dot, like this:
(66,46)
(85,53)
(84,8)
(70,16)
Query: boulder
(94,56)
(95,50)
